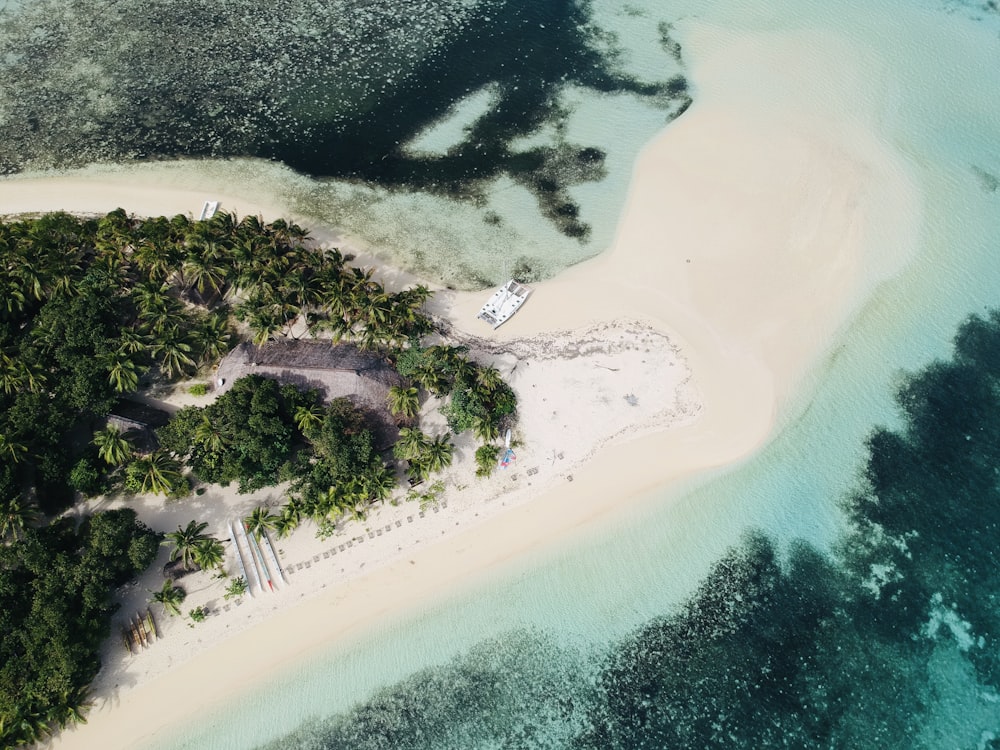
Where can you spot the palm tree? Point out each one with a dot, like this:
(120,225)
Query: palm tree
(204,270)
(410,445)
(73,706)
(112,446)
(417,470)
(132,341)
(285,525)
(13,297)
(335,295)
(485,429)
(174,352)
(488,378)
(431,376)
(294,509)
(295,288)
(31,276)
(209,553)
(156,260)
(309,417)
(462,369)
(438,453)
(378,310)
(186,541)
(122,372)
(222,224)
(165,317)
(297,234)
(403,401)
(264,324)
(31,725)
(32,377)
(211,337)
(327,503)
(413,299)
(15,516)
(250,225)
(11,449)
(486,459)
(150,296)
(171,597)
(259,521)
(278,229)
(160,473)
(209,436)
(13,373)
(381,483)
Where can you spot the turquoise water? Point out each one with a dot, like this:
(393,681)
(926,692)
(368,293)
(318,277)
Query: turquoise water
(588,646)
(591,645)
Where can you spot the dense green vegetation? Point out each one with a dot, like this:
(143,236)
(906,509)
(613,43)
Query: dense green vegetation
(95,309)
(56,585)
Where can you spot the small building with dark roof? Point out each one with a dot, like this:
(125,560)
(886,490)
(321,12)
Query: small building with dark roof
(139,422)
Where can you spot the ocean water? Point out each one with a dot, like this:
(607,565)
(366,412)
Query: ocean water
(828,591)
(479,113)
(833,590)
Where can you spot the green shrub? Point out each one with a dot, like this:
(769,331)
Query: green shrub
(85,478)
(486,459)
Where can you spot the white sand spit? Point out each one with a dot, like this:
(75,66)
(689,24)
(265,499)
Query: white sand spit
(757,224)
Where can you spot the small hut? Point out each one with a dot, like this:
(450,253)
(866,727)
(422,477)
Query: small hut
(140,421)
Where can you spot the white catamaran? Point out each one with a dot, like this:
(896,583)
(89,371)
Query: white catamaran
(505,301)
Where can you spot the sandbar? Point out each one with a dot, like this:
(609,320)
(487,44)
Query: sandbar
(756,226)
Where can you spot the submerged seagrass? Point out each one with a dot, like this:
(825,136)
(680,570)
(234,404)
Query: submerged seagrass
(334,89)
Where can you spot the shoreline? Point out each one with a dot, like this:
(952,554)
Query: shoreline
(744,241)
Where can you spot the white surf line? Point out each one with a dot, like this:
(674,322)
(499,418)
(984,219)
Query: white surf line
(273,557)
(253,558)
(239,558)
(258,555)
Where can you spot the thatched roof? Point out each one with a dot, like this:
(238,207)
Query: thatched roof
(315,355)
(139,421)
(336,371)
(138,414)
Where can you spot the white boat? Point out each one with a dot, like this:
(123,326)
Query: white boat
(255,564)
(259,557)
(505,301)
(208,210)
(239,559)
(271,556)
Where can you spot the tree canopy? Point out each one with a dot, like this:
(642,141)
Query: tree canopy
(56,584)
(95,309)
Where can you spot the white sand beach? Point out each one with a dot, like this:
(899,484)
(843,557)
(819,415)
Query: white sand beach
(756,226)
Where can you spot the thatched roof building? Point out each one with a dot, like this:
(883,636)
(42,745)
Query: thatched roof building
(336,371)
(138,421)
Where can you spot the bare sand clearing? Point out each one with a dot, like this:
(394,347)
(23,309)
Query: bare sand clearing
(756,225)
